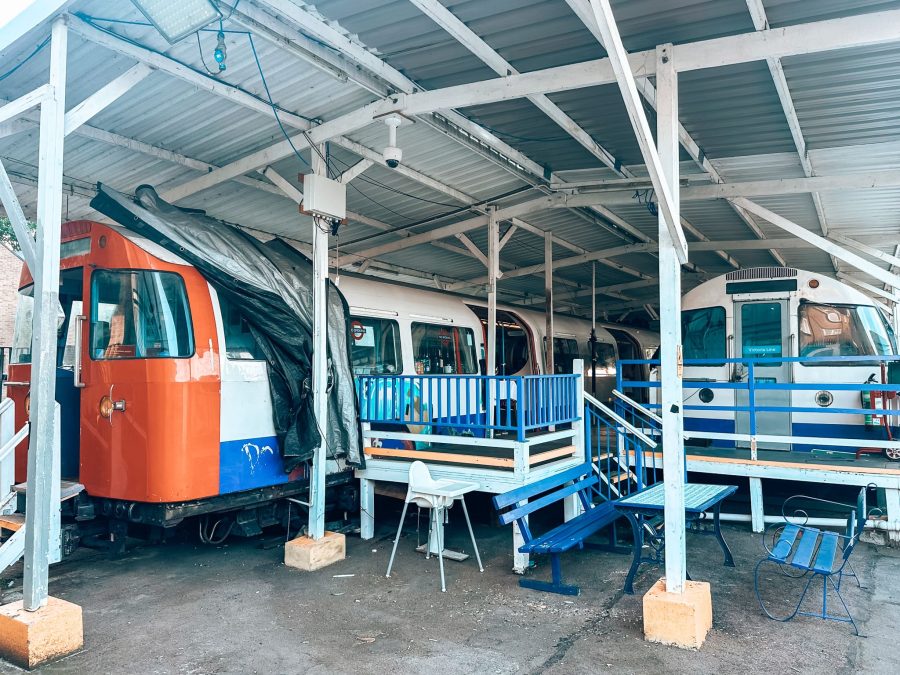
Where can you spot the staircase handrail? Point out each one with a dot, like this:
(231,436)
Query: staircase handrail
(637,406)
(11,444)
(619,419)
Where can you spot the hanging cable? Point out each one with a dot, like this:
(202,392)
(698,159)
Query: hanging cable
(28,58)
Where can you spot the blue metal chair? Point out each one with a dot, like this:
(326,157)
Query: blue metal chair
(800,551)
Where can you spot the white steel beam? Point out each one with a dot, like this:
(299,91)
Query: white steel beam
(868,288)
(24,103)
(504,240)
(804,38)
(469,244)
(40,508)
(671,395)
(355,170)
(761,22)
(865,248)
(820,242)
(107,94)
(17,218)
(322,30)
(618,58)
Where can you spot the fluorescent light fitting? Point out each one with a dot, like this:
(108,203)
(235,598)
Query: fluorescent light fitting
(176,19)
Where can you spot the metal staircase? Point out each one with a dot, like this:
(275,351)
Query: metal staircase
(621,444)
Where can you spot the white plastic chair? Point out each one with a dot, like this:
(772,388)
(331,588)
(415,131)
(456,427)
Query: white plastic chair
(437,496)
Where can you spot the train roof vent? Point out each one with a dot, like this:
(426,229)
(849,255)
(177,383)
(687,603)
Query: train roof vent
(761,273)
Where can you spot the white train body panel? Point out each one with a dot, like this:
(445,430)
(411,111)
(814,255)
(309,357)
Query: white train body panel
(819,317)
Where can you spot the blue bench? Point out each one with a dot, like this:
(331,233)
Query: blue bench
(513,506)
(800,551)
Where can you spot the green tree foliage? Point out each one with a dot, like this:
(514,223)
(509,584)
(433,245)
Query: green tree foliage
(8,235)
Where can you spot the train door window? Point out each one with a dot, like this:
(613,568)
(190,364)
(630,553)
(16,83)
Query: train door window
(565,351)
(761,330)
(443,349)
(240,345)
(703,333)
(843,330)
(68,350)
(606,358)
(375,346)
(139,314)
(21,346)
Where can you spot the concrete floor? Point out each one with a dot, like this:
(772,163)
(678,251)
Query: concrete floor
(188,608)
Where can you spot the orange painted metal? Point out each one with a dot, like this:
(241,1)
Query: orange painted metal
(164,446)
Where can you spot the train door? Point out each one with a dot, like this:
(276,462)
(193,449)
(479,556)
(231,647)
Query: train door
(148,434)
(762,330)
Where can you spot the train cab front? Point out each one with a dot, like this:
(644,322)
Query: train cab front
(137,372)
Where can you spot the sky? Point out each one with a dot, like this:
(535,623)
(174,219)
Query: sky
(9,8)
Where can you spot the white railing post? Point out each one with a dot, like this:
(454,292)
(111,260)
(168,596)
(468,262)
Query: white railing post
(572,505)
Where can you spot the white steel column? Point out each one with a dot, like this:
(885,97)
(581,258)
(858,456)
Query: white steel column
(548,301)
(493,268)
(670,324)
(40,506)
(320,362)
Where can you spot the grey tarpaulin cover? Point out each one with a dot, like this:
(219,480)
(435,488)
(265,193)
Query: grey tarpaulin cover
(271,284)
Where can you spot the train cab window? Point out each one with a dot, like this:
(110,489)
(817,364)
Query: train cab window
(240,345)
(139,314)
(703,333)
(843,330)
(443,349)
(565,351)
(375,346)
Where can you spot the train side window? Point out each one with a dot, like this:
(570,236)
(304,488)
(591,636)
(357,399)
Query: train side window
(703,333)
(443,349)
(606,358)
(240,345)
(842,330)
(139,314)
(565,351)
(375,346)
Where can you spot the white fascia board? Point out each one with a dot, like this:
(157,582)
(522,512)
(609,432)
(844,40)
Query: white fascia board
(32,16)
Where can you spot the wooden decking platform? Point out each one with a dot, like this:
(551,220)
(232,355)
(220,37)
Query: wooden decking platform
(482,456)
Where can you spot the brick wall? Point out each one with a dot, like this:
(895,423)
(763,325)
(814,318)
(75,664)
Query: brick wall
(10,269)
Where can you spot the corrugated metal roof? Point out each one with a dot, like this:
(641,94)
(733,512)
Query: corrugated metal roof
(848,104)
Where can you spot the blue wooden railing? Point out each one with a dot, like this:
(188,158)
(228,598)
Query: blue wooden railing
(472,404)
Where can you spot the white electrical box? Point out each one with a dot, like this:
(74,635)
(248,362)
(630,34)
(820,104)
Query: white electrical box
(324,197)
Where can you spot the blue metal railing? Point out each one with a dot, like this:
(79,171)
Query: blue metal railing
(748,382)
(623,455)
(476,404)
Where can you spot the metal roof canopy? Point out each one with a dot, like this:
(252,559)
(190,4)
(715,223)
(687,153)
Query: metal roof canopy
(321,74)
(542,156)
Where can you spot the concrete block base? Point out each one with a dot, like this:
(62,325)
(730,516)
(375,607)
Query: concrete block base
(30,639)
(309,554)
(678,619)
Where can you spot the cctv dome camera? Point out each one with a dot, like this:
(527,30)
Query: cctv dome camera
(392,156)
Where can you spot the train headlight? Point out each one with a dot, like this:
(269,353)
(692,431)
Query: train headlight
(106,407)
(813,283)
(706,395)
(824,398)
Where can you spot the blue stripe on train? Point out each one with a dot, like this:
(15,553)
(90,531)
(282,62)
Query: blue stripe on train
(864,433)
(250,463)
